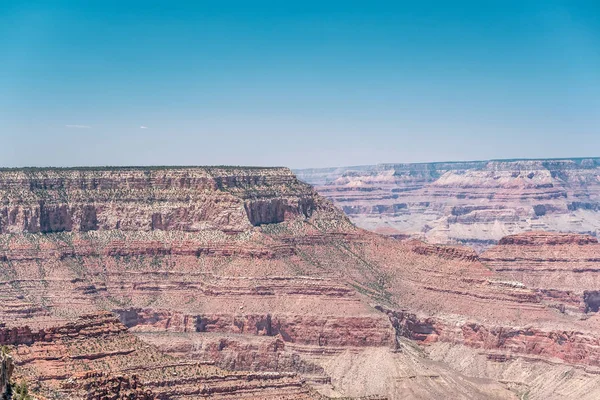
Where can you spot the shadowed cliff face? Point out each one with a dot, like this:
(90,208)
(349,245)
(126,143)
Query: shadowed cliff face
(6,370)
(475,203)
(278,210)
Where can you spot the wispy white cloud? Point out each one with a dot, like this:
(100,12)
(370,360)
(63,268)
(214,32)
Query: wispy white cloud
(143,127)
(78,126)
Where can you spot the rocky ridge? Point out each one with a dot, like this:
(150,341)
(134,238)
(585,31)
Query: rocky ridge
(475,203)
(95,356)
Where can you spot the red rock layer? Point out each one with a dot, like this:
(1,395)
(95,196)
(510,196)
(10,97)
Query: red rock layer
(238,352)
(562,267)
(547,239)
(93,325)
(96,356)
(301,278)
(475,203)
(570,346)
(300,329)
(99,386)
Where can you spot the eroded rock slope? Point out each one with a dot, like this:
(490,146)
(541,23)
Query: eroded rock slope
(475,203)
(179,283)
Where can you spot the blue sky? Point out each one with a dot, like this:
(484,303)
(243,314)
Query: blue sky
(301,84)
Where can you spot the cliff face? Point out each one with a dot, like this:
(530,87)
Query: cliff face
(245,283)
(563,268)
(184,245)
(95,357)
(6,371)
(476,203)
(145,199)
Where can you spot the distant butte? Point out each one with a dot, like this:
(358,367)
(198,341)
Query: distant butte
(474,203)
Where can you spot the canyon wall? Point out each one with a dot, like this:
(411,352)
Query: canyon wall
(475,203)
(95,357)
(183,245)
(561,267)
(229,199)
(185,283)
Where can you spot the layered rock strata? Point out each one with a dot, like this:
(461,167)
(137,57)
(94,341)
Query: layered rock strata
(563,268)
(251,284)
(95,356)
(475,203)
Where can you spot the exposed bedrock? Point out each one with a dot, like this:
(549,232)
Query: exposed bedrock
(528,377)
(475,203)
(92,325)
(562,267)
(570,346)
(551,271)
(117,387)
(95,356)
(238,352)
(538,239)
(142,199)
(230,282)
(300,329)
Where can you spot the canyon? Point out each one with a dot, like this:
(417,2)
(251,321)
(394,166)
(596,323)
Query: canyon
(474,203)
(241,282)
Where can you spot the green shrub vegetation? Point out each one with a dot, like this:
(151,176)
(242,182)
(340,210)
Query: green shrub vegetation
(20,391)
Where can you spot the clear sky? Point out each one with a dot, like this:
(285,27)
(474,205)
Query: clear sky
(296,83)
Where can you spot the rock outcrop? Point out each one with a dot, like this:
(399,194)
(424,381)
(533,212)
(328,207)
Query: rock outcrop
(95,356)
(229,199)
(75,241)
(474,203)
(562,267)
(6,371)
(245,283)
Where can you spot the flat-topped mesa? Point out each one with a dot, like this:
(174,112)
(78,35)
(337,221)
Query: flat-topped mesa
(547,239)
(229,199)
(475,203)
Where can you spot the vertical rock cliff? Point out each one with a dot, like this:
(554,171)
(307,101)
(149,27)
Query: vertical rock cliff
(6,370)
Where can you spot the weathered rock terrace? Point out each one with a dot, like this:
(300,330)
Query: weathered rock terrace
(476,203)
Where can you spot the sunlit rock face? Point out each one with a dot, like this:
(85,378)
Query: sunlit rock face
(475,203)
(143,199)
(245,283)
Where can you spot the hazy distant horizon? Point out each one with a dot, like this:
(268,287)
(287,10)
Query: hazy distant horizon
(151,166)
(302,85)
